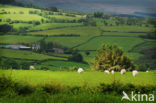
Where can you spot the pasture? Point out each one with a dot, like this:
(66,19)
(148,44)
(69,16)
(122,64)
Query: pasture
(47,26)
(62,65)
(83,30)
(17,39)
(29,55)
(74,79)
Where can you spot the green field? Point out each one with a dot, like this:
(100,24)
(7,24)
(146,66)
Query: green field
(21,54)
(62,65)
(15,39)
(74,79)
(54,25)
(84,30)
(122,42)
(125,28)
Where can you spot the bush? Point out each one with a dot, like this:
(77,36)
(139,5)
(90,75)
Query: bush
(36,23)
(111,57)
(52,88)
(72,68)
(5,28)
(76,57)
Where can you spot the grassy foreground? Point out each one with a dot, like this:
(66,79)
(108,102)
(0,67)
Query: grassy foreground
(74,79)
(24,86)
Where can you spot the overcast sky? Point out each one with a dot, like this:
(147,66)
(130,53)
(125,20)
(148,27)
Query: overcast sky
(114,6)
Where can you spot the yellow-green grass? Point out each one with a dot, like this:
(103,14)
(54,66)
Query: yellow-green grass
(68,41)
(90,58)
(62,65)
(125,43)
(74,79)
(54,25)
(16,9)
(29,55)
(15,39)
(84,30)
(17,26)
(125,28)
(66,17)
(123,34)
(150,43)
(15,13)
(21,17)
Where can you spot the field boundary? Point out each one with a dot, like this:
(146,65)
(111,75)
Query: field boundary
(101,36)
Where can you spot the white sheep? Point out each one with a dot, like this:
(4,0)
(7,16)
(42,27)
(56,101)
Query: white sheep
(106,71)
(31,68)
(123,71)
(147,71)
(134,73)
(80,70)
(112,71)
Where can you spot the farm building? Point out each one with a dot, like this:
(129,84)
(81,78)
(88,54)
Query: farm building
(58,50)
(35,46)
(17,47)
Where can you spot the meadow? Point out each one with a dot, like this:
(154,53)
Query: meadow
(29,55)
(55,65)
(70,78)
(17,39)
(47,26)
(84,30)
(40,86)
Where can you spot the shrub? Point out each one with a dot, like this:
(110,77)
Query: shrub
(5,28)
(77,57)
(52,88)
(111,57)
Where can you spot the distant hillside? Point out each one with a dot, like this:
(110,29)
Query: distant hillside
(108,6)
(153,15)
(16,3)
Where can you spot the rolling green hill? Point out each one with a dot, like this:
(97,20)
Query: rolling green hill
(71,30)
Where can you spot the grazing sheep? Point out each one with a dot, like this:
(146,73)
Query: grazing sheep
(147,71)
(123,71)
(106,71)
(135,73)
(31,68)
(112,71)
(80,70)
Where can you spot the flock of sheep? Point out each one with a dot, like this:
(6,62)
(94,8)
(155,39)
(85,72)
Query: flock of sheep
(123,71)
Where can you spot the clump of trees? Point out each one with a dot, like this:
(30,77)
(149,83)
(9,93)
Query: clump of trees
(98,14)
(111,58)
(148,60)
(47,46)
(6,63)
(5,28)
(76,57)
(54,9)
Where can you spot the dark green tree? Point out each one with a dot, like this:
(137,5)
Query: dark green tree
(111,57)
(5,28)
(98,14)
(54,9)
(77,57)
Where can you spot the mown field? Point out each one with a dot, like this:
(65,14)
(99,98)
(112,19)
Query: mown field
(74,79)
